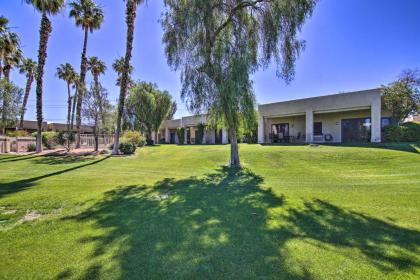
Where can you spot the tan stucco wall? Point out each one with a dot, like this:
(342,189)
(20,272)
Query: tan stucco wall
(338,102)
(331,122)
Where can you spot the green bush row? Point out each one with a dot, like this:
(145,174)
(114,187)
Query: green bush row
(408,132)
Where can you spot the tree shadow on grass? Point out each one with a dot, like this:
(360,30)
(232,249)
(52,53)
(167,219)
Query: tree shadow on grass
(219,227)
(17,158)
(55,160)
(21,185)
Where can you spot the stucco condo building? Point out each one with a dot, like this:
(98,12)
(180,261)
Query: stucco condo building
(344,117)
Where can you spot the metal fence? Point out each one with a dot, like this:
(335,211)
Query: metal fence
(88,140)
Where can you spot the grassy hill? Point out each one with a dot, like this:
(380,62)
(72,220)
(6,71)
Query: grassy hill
(176,212)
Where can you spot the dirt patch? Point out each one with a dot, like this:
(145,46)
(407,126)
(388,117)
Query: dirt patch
(31,215)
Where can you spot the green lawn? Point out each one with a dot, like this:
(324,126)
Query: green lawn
(176,212)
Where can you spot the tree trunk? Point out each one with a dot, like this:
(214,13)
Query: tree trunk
(130,20)
(74,107)
(95,135)
(44,33)
(25,98)
(82,88)
(234,149)
(98,97)
(68,106)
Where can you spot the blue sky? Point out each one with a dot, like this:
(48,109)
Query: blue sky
(351,45)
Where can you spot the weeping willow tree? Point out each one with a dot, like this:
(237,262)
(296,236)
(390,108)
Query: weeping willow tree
(218,44)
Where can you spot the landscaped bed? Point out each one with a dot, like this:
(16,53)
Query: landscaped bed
(293,212)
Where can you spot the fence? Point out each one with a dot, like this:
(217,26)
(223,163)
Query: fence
(88,140)
(15,144)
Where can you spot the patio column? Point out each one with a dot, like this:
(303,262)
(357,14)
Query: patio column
(185,135)
(225,139)
(167,136)
(309,126)
(261,129)
(375,128)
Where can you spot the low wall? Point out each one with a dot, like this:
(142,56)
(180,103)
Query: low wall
(15,144)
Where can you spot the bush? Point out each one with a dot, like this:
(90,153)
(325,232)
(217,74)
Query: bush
(63,136)
(18,133)
(127,148)
(31,147)
(150,142)
(408,132)
(181,137)
(134,137)
(49,139)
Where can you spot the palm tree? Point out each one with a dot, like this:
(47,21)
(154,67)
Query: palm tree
(76,86)
(118,67)
(10,52)
(27,67)
(45,7)
(89,16)
(97,67)
(66,73)
(131,12)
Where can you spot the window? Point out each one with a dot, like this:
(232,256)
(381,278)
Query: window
(317,128)
(280,128)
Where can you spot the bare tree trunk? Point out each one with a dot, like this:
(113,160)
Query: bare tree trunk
(98,97)
(130,20)
(82,88)
(95,135)
(44,33)
(74,107)
(25,98)
(68,106)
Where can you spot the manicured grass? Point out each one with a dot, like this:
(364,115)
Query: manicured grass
(175,212)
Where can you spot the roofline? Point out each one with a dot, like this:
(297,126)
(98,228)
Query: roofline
(320,96)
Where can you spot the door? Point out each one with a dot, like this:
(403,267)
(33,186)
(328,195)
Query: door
(172,138)
(355,130)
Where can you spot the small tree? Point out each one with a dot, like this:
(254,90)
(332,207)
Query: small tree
(401,97)
(95,109)
(147,107)
(10,100)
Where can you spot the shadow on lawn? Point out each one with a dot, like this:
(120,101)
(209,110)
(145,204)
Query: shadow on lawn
(217,227)
(21,185)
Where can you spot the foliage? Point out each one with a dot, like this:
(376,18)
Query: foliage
(180,131)
(172,111)
(217,45)
(134,137)
(87,14)
(18,133)
(408,132)
(127,148)
(402,97)
(10,103)
(31,147)
(147,107)
(200,133)
(49,139)
(65,137)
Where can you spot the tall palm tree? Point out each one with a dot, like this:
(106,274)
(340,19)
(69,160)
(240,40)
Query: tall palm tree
(28,67)
(45,7)
(97,67)
(66,73)
(76,86)
(131,13)
(89,16)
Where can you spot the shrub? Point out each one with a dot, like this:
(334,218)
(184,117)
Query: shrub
(408,132)
(18,133)
(49,139)
(31,147)
(134,137)
(127,148)
(180,133)
(149,142)
(63,136)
